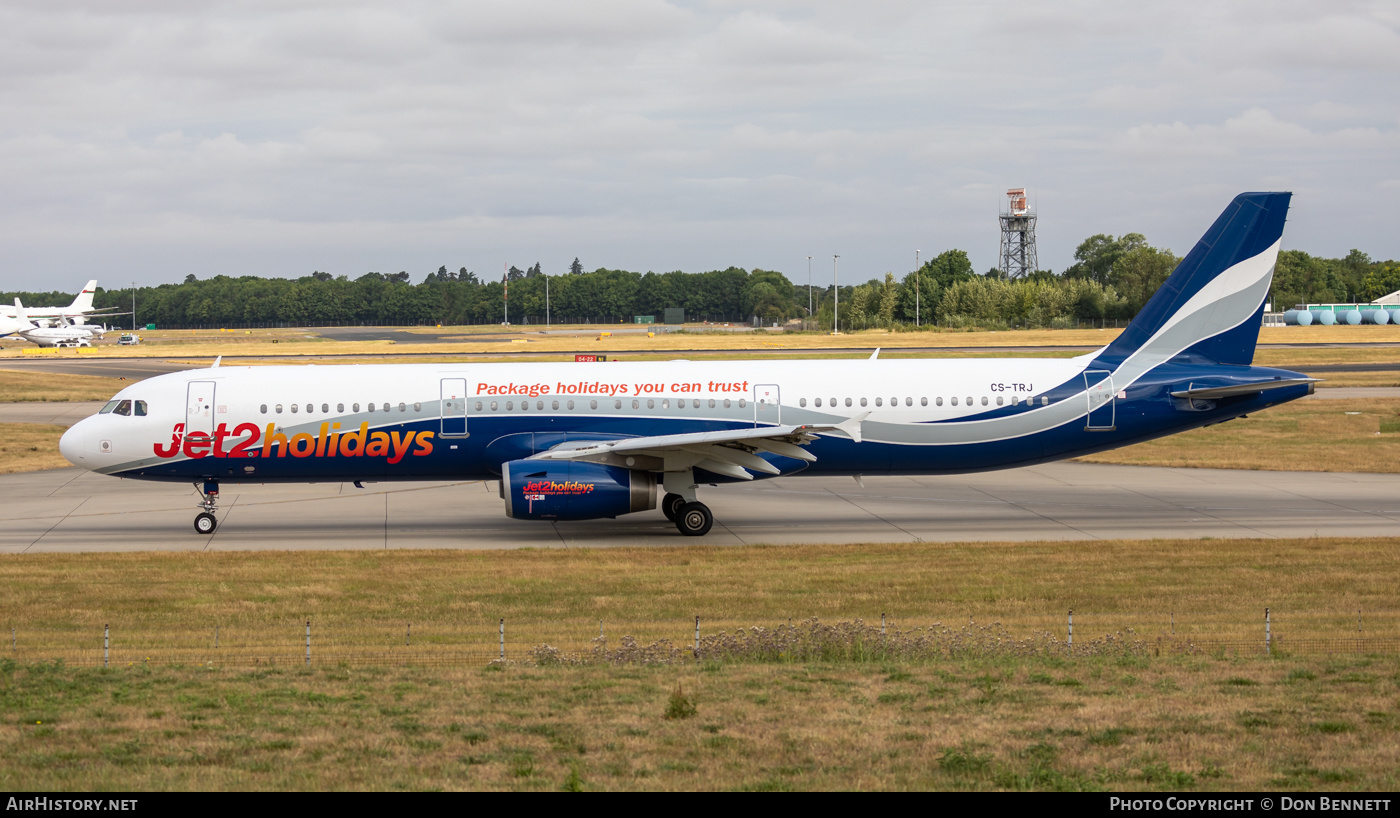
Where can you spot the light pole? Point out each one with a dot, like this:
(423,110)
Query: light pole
(809,288)
(546,302)
(836,307)
(133,306)
(916,289)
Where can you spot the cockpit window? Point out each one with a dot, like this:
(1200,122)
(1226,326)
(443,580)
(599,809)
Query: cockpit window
(140,408)
(123,408)
(111,404)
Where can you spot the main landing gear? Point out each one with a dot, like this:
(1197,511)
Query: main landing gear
(204,522)
(692,517)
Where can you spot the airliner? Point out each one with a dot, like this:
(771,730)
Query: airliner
(576,441)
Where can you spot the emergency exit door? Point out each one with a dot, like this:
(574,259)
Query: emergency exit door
(199,408)
(454,407)
(767,406)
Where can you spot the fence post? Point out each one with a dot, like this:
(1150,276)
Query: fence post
(216,637)
(106,643)
(600,629)
(1173,623)
(1268,634)
(1071,629)
(407,633)
(697,635)
(308,643)
(503,639)
(14,642)
(1358,630)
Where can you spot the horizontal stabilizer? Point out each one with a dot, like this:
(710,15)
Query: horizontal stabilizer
(1213,392)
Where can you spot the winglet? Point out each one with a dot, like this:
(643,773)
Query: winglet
(215,365)
(20,313)
(875,354)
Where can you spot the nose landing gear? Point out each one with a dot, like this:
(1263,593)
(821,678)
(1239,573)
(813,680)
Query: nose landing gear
(204,522)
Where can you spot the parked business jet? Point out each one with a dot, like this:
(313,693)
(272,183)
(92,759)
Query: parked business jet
(572,441)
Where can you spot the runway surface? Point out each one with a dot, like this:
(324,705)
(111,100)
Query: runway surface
(70,511)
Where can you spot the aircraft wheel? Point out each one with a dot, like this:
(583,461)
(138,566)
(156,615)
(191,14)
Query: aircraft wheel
(671,506)
(694,519)
(204,523)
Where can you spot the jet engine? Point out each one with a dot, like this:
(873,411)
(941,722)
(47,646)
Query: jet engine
(569,490)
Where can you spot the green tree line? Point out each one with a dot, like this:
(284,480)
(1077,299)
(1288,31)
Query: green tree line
(1111,279)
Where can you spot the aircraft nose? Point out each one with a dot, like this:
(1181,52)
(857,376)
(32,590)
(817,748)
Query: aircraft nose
(72,445)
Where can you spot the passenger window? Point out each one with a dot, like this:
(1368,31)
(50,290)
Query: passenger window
(593,404)
(695,402)
(862,401)
(801,401)
(743,403)
(1044,401)
(510,404)
(403,407)
(263,408)
(726,403)
(478,406)
(848,401)
(712,403)
(569,406)
(294,408)
(817,403)
(539,404)
(123,408)
(984,400)
(953,401)
(417,407)
(922,401)
(140,408)
(554,405)
(325,408)
(998,400)
(371,408)
(651,404)
(969,401)
(111,404)
(310,407)
(355,407)
(665,403)
(879,401)
(493,406)
(340,407)
(636,404)
(936,401)
(908,401)
(278,408)
(1015,400)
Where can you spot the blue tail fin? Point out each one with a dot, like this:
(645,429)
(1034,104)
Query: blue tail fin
(1213,302)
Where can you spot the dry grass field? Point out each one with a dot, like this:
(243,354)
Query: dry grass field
(306,342)
(18,386)
(1116,718)
(26,447)
(1361,435)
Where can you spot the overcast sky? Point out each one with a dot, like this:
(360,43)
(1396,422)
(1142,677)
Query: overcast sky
(142,141)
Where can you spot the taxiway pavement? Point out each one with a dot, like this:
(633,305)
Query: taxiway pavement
(71,511)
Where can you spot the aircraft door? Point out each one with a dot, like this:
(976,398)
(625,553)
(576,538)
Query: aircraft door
(1098,386)
(767,405)
(454,407)
(199,408)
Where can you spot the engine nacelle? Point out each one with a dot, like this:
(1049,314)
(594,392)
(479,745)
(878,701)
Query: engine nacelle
(568,490)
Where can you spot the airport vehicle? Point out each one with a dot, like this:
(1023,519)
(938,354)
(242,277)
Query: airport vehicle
(570,441)
(76,313)
(127,339)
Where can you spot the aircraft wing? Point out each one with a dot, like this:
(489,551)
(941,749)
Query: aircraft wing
(733,453)
(1213,392)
